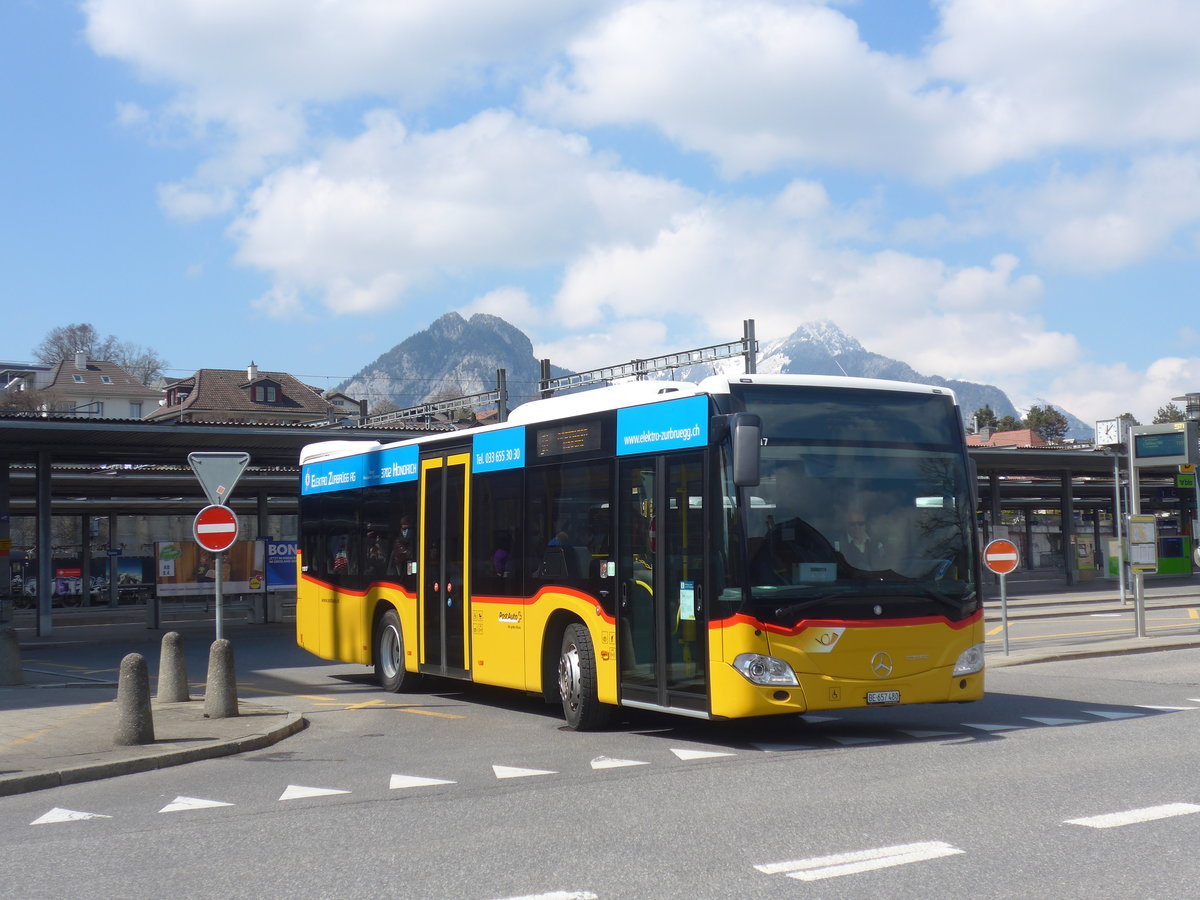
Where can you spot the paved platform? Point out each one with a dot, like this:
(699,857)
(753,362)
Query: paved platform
(58,729)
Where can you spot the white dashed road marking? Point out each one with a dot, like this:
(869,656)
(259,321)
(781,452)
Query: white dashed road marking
(1135,816)
(818,867)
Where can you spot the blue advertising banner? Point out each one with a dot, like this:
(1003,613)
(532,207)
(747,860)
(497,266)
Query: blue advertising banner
(281,564)
(655,427)
(494,451)
(386,466)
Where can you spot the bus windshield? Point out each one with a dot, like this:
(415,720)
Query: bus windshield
(863,509)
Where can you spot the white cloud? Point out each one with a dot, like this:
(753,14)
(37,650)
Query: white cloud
(717,265)
(512,304)
(757,84)
(767,84)
(313,50)
(1109,218)
(389,209)
(1102,392)
(612,343)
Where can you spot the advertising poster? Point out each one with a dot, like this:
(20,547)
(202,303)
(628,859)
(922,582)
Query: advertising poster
(186,569)
(281,564)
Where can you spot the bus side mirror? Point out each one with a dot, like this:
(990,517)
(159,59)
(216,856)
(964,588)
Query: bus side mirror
(747,448)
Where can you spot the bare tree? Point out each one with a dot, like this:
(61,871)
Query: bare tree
(64,342)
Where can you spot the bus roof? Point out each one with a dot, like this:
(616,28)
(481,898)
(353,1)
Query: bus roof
(617,396)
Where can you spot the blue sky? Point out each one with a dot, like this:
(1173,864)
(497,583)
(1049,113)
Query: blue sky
(1002,192)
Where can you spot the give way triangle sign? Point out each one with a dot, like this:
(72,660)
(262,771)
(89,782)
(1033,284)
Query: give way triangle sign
(218,473)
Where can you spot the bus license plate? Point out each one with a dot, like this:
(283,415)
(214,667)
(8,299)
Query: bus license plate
(876,698)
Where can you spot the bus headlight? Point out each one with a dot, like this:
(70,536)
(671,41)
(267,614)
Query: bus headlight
(970,660)
(768,670)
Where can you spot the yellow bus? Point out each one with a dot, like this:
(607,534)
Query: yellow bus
(750,545)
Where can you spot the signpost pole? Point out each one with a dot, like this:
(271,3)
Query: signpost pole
(219,588)
(1135,509)
(1004,609)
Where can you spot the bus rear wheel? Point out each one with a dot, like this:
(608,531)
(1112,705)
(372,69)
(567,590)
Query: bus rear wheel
(577,681)
(389,655)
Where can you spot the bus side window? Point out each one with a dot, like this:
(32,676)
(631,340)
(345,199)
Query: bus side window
(496,532)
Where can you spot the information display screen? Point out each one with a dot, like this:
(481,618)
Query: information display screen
(565,439)
(1165,445)
(1156,446)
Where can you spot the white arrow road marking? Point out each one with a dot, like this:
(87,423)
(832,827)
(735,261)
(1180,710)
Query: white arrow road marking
(411,781)
(58,814)
(1134,816)
(606,762)
(930,734)
(1043,720)
(514,772)
(559,895)
(838,864)
(698,754)
(296,792)
(983,726)
(781,748)
(182,803)
(1166,708)
(1109,714)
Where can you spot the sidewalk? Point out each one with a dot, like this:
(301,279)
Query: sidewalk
(1030,596)
(58,729)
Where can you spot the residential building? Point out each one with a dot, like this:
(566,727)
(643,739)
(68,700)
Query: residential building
(90,388)
(243,395)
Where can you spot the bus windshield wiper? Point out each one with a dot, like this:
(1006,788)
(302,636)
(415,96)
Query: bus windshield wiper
(785,613)
(959,604)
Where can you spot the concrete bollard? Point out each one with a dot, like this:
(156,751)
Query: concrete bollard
(220,692)
(10,658)
(172,670)
(135,721)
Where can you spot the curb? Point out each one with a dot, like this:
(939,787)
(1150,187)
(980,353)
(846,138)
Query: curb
(1002,662)
(37,781)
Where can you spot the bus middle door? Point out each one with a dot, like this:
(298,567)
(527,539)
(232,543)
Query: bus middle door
(661,626)
(443,582)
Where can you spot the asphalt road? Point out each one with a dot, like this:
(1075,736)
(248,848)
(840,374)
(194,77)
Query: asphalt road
(1070,779)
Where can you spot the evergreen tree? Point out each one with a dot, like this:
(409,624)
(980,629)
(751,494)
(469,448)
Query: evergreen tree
(1047,422)
(1168,413)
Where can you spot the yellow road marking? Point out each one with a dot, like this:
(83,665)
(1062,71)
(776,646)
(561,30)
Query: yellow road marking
(47,730)
(429,712)
(995,631)
(1193,614)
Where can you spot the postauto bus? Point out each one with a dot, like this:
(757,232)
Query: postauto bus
(746,546)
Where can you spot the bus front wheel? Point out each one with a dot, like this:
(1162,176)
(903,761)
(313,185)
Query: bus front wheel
(389,655)
(577,681)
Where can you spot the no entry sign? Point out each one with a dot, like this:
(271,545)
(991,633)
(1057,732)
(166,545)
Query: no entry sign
(215,528)
(1000,556)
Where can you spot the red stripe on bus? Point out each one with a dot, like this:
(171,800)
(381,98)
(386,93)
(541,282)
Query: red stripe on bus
(805,624)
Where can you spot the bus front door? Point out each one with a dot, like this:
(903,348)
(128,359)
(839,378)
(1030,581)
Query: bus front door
(444,622)
(661,626)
